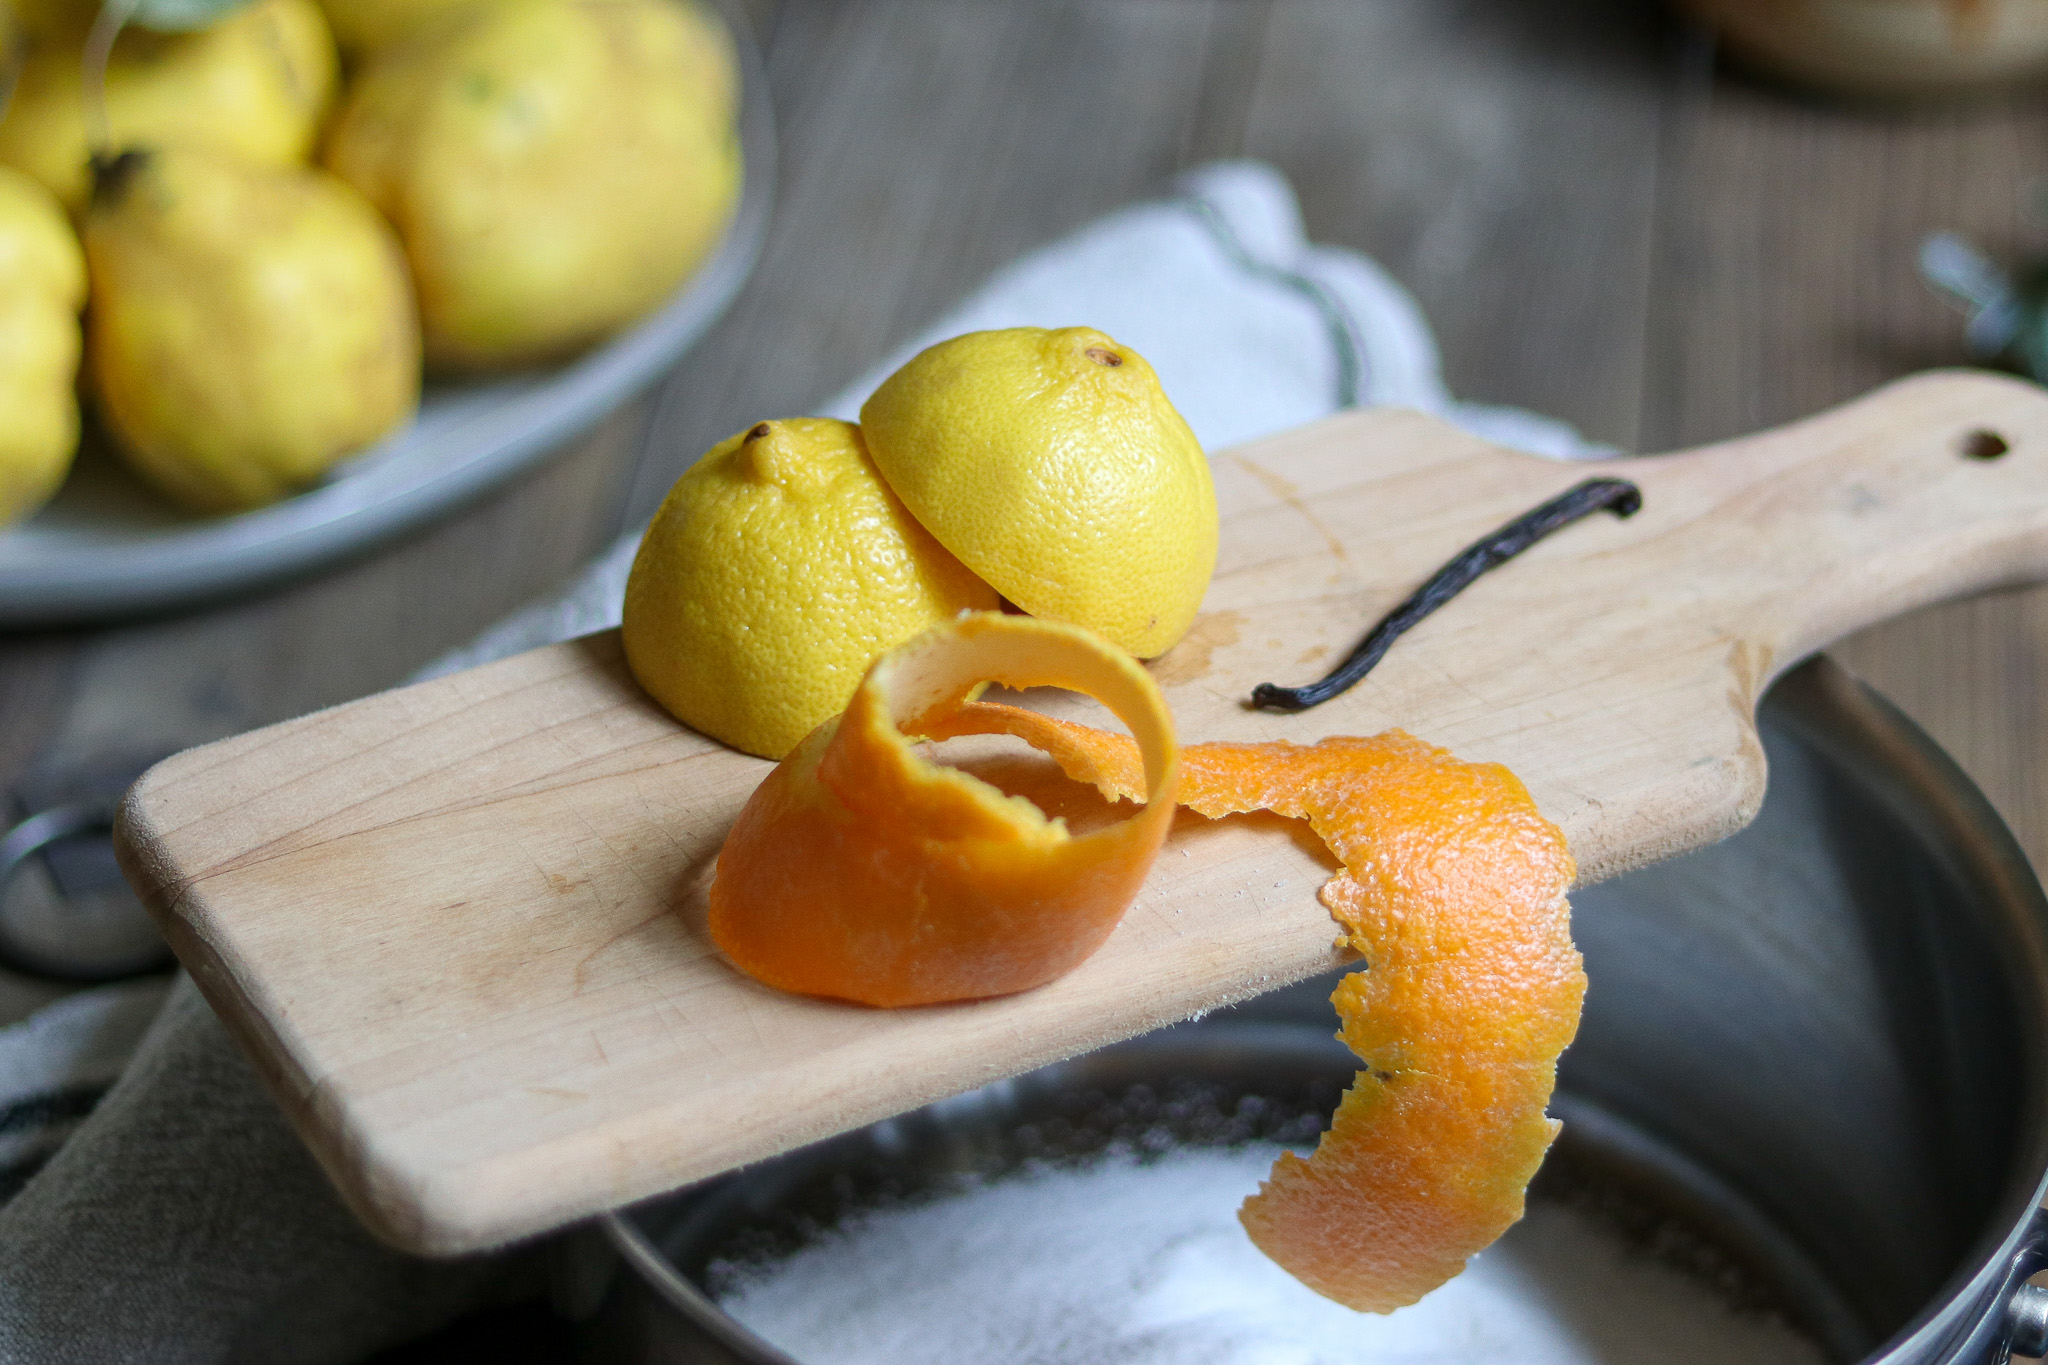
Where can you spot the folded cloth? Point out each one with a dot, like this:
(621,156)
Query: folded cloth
(183,1221)
(56,1066)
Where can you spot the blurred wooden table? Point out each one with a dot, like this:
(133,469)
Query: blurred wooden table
(1600,226)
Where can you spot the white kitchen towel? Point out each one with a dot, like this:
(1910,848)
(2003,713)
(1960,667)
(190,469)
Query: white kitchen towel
(182,1220)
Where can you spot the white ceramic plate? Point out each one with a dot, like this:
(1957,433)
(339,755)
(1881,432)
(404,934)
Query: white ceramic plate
(106,547)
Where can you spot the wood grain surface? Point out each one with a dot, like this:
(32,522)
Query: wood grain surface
(459,924)
(1599,223)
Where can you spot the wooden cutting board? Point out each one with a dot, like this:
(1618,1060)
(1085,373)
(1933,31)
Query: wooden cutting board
(458,925)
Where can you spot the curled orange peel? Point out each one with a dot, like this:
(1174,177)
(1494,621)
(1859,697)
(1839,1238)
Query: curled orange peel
(862,871)
(1453,890)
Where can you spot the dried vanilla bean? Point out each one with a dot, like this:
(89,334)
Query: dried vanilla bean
(1594,495)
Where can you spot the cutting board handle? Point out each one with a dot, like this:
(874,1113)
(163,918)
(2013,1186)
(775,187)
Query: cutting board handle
(1931,488)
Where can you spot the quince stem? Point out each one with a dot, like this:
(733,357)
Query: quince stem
(99,49)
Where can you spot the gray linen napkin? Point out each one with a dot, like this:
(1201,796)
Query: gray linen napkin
(183,1221)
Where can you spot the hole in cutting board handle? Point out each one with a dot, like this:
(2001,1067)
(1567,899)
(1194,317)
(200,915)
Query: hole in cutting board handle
(1983,444)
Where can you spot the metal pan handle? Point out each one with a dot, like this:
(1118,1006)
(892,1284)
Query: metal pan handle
(2025,1330)
(23,842)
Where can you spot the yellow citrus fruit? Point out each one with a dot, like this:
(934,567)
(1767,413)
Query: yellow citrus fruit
(251,325)
(1053,465)
(776,570)
(255,85)
(556,168)
(42,286)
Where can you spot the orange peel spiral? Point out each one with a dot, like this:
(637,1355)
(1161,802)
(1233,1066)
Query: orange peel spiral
(1454,891)
(861,871)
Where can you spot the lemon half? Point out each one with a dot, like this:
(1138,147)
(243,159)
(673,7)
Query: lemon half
(1053,465)
(776,569)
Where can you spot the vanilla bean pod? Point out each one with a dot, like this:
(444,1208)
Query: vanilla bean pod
(1594,495)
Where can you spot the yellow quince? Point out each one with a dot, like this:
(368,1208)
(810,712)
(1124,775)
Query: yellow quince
(555,167)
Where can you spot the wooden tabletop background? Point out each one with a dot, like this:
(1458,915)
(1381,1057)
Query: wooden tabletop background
(1601,223)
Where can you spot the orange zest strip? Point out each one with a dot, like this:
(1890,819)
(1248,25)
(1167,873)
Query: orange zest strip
(860,870)
(1453,890)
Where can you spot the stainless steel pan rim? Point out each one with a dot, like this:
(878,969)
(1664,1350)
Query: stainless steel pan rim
(645,1260)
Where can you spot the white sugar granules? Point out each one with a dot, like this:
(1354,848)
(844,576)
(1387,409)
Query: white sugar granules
(1127,1264)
